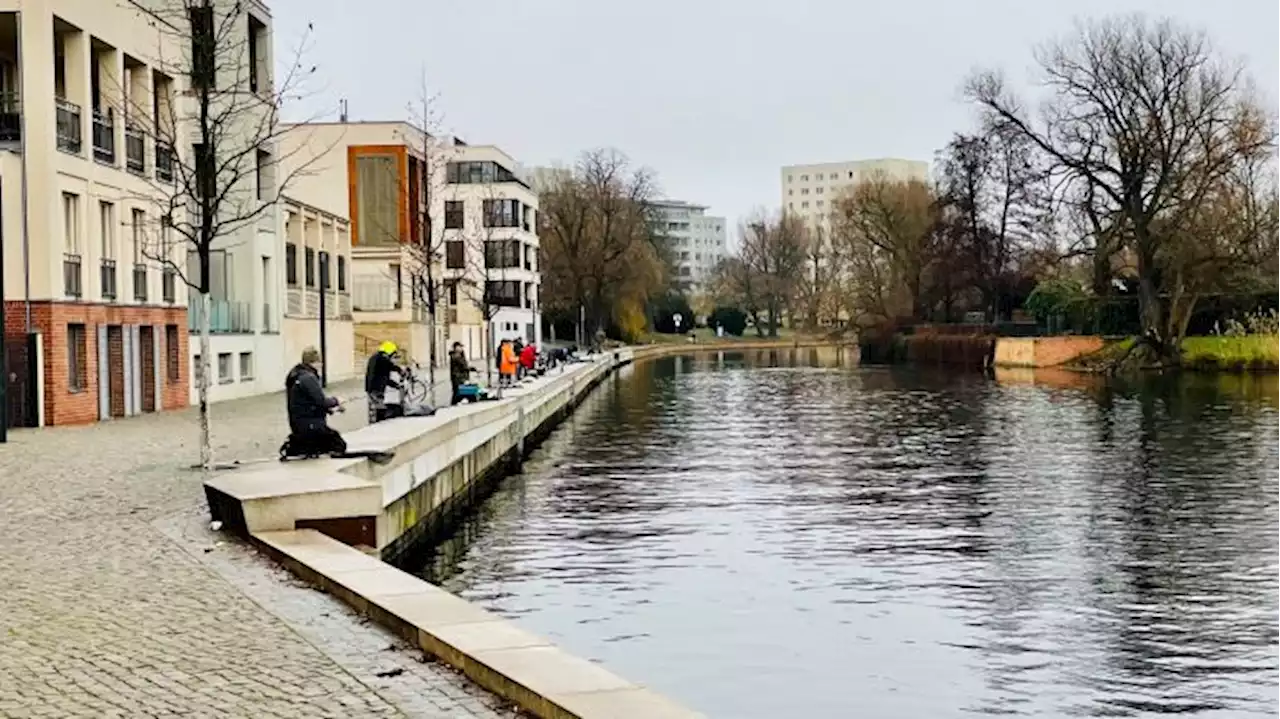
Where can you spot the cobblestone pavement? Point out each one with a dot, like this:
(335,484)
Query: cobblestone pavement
(116,600)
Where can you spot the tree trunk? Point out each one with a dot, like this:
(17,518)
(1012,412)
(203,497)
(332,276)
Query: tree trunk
(202,382)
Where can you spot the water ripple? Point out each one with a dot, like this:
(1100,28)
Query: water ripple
(807,540)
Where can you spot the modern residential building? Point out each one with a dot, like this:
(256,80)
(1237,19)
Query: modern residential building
(698,241)
(96,326)
(317,260)
(810,190)
(247,349)
(474,196)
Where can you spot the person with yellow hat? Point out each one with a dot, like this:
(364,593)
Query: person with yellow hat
(378,378)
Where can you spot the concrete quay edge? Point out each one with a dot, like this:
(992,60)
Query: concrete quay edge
(523,668)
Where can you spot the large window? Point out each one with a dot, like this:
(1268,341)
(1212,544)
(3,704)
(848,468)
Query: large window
(454,218)
(502,254)
(342,273)
(504,293)
(107,229)
(455,255)
(173,355)
(377,200)
(310,269)
(478,173)
(71,222)
(501,213)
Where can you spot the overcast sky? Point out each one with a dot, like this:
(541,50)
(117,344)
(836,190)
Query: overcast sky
(714,96)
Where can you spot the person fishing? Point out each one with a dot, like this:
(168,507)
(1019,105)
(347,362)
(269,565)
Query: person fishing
(378,378)
(459,371)
(508,362)
(309,408)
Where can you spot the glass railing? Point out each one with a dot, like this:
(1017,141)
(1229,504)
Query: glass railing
(225,317)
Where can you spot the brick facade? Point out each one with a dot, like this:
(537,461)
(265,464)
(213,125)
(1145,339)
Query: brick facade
(64,405)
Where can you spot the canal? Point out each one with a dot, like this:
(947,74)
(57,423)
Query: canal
(779,535)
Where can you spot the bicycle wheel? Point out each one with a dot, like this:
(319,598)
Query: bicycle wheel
(416,390)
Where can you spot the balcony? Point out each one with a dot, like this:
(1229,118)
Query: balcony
(71,285)
(139,283)
(10,117)
(164,162)
(70,138)
(169,285)
(226,317)
(108,276)
(135,151)
(104,137)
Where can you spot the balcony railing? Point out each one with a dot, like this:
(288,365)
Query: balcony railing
(226,317)
(108,276)
(71,276)
(169,285)
(164,162)
(10,117)
(140,283)
(70,135)
(135,150)
(104,136)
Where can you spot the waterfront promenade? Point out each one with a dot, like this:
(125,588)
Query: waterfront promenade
(116,600)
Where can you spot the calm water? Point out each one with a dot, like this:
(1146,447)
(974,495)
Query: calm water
(773,536)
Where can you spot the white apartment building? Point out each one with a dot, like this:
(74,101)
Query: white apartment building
(96,313)
(481,209)
(491,250)
(810,190)
(697,240)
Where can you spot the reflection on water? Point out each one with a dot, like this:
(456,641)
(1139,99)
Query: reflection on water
(778,536)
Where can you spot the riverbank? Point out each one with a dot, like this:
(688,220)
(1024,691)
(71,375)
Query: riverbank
(1252,353)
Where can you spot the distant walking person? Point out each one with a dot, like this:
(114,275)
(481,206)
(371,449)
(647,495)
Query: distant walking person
(507,363)
(528,359)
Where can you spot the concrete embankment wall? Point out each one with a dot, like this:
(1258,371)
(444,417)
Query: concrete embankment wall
(324,518)
(1043,351)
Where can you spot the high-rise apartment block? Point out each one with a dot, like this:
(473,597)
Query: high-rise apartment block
(810,190)
(697,241)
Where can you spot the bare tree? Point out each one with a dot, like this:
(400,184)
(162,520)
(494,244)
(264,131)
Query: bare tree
(601,246)
(774,249)
(886,228)
(427,184)
(229,178)
(1150,120)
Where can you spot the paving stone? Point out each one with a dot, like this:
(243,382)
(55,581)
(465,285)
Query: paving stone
(118,600)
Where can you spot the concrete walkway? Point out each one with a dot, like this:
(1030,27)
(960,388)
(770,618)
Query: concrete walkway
(116,600)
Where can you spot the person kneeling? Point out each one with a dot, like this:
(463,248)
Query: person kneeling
(309,432)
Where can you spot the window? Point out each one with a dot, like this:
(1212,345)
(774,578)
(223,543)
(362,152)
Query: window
(453,215)
(173,355)
(819,203)
(342,273)
(262,172)
(478,173)
(139,240)
(107,220)
(502,254)
(377,201)
(257,41)
(394,271)
(197,368)
(455,255)
(203,52)
(325,280)
(804,205)
(310,269)
(224,368)
(291,264)
(790,192)
(804,178)
(71,222)
(820,190)
(77,358)
(246,366)
(789,178)
(451,291)
(850,174)
(501,213)
(503,293)
(804,190)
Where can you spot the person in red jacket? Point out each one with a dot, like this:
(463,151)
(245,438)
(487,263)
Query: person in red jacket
(528,357)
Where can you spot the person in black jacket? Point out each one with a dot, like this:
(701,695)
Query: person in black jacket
(309,408)
(378,379)
(459,371)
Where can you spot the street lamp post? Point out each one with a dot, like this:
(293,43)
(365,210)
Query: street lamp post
(324,290)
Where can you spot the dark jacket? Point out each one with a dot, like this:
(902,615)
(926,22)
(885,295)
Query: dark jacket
(377,374)
(459,370)
(308,405)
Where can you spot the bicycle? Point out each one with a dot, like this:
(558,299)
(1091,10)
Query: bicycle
(412,387)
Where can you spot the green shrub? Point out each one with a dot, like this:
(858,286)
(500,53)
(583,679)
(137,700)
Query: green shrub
(732,319)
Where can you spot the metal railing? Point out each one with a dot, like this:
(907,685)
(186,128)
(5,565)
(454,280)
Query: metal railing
(135,150)
(107,273)
(169,285)
(10,117)
(225,317)
(70,134)
(104,136)
(140,283)
(164,162)
(71,285)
